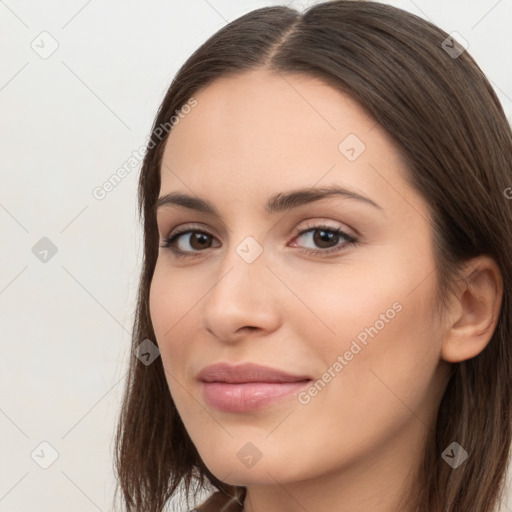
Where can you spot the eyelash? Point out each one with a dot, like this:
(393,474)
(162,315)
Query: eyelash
(350,241)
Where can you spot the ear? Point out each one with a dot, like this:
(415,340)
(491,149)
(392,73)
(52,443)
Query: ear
(474,312)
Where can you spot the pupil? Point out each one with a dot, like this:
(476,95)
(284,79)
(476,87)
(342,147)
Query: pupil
(325,237)
(197,237)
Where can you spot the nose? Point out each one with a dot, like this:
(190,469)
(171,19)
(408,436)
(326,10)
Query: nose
(244,299)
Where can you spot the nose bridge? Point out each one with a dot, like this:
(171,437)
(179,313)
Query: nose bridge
(242,271)
(241,295)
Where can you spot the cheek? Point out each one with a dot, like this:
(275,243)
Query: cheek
(171,313)
(168,310)
(172,297)
(379,323)
(341,304)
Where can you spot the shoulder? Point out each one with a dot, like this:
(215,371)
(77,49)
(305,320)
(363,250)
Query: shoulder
(219,501)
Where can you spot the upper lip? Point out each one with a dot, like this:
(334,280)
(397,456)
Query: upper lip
(246,372)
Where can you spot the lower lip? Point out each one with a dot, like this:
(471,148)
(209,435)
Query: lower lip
(249,396)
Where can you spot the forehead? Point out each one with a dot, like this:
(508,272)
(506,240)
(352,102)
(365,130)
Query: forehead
(259,132)
(263,107)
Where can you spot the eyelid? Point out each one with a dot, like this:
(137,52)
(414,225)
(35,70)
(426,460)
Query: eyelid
(183,228)
(309,224)
(319,224)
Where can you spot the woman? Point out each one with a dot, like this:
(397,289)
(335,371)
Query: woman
(327,246)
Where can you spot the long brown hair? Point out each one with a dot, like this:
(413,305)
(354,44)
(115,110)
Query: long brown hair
(450,128)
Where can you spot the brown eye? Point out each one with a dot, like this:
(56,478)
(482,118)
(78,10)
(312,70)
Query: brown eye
(326,238)
(196,240)
(199,240)
(322,237)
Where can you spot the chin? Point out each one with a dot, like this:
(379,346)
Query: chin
(264,472)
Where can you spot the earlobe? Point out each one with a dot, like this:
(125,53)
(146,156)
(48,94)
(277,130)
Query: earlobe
(475,312)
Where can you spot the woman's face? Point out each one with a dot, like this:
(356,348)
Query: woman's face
(356,318)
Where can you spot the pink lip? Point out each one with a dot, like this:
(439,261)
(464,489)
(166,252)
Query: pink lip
(248,386)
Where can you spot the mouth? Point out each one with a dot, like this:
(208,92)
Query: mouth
(248,386)
(249,396)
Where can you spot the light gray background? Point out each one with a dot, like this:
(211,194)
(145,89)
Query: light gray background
(67,123)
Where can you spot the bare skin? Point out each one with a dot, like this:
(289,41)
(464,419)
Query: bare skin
(354,446)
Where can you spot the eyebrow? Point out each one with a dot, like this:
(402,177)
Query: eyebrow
(277,203)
